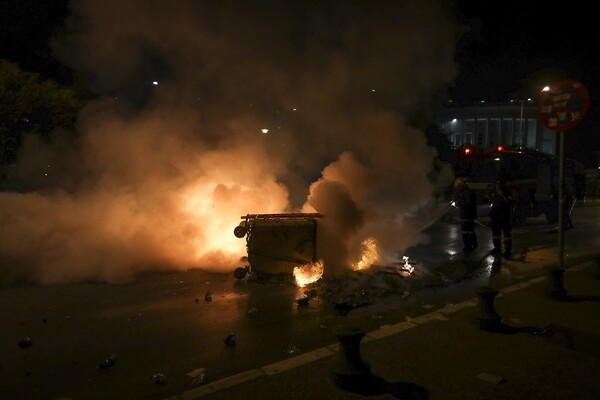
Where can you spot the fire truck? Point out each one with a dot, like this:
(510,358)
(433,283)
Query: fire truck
(532,177)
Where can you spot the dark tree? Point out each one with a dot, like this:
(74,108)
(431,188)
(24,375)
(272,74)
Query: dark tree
(30,105)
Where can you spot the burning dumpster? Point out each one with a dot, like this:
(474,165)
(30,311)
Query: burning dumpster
(278,243)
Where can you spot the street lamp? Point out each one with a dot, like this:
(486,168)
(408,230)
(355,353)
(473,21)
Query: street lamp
(522,101)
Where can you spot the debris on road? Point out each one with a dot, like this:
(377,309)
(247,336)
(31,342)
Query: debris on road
(208,297)
(108,363)
(159,379)
(199,375)
(491,378)
(302,301)
(293,349)
(25,343)
(230,339)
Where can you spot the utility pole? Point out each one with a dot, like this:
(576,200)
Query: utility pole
(521,125)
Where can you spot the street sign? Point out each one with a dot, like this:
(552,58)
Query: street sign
(564,105)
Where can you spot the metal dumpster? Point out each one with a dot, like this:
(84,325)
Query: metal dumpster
(276,243)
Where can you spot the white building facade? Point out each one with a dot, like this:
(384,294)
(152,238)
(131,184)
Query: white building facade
(488,125)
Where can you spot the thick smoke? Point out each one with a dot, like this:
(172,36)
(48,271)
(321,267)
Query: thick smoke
(162,172)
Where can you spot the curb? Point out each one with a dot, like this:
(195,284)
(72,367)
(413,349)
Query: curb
(575,264)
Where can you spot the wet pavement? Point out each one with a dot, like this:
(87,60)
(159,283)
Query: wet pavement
(165,335)
(523,344)
(526,343)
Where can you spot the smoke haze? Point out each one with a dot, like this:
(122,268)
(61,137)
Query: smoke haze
(161,173)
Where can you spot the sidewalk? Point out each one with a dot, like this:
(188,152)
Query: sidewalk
(547,349)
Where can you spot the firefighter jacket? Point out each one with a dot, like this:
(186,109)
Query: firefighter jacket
(466,199)
(501,204)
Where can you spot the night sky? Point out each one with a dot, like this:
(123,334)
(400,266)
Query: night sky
(506,43)
(517,47)
(27,26)
(513,41)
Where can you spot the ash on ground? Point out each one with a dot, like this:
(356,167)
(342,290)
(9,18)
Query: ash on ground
(366,287)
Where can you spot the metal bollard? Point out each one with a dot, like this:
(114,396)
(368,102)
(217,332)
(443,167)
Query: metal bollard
(489,319)
(557,277)
(348,370)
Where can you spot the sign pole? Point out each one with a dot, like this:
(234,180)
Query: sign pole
(561,200)
(562,107)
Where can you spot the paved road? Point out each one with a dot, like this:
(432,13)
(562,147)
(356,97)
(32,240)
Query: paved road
(162,324)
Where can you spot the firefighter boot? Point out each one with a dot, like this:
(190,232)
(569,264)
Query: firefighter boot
(497,247)
(467,242)
(474,242)
(507,247)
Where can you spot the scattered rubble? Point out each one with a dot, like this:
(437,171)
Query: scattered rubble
(25,343)
(230,340)
(302,301)
(199,375)
(491,378)
(292,349)
(108,363)
(159,379)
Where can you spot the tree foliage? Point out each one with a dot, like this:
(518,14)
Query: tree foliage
(30,105)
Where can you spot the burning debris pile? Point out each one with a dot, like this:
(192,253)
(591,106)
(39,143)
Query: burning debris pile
(366,287)
(283,247)
(406,269)
(283,244)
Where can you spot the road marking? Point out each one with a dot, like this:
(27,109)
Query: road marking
(296,361)
(451,308)
(434,316)
(537,280)
(384,331)
(516,287)
(388,330)
(222,384)
(578,267)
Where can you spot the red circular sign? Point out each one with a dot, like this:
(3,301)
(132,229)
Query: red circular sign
(564,105)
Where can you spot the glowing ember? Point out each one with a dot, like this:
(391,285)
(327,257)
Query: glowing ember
(369,255)
(406,269)
(309,273)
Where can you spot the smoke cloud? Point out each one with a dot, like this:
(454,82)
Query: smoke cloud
(174,150)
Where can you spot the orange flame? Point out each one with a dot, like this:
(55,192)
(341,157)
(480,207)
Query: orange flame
(369,255)
(308,273)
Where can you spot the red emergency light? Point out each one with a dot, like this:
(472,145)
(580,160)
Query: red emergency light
(500,148)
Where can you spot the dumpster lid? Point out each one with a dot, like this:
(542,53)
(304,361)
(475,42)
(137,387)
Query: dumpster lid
(281,216)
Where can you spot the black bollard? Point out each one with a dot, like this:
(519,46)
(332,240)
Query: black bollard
(348,370)
(556,290)
(489,319)
(598,267)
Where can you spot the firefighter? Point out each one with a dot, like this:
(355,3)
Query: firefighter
(466,199)
(500,213)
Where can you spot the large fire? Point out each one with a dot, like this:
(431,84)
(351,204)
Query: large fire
(308,273)
(369,255)
(312,272)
